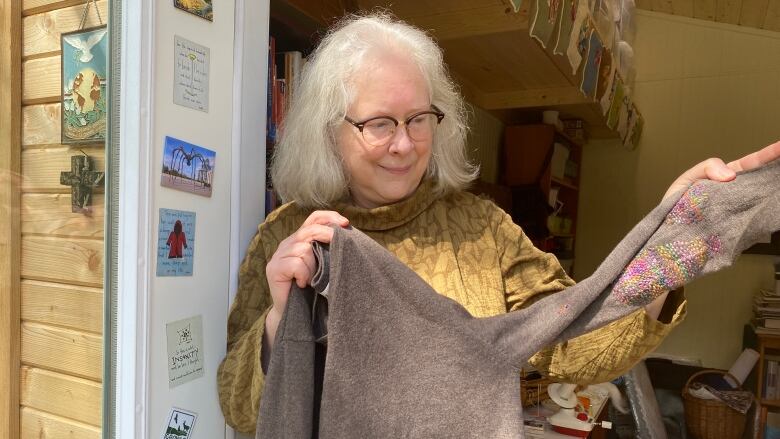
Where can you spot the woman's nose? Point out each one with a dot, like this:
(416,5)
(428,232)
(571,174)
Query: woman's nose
(401,143)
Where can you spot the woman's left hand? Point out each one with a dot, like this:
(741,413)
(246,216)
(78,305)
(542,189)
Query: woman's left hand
(715,169)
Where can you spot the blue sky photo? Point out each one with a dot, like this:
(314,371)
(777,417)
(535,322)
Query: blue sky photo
(172,143)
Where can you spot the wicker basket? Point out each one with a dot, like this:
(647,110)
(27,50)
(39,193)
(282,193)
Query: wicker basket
(711,418)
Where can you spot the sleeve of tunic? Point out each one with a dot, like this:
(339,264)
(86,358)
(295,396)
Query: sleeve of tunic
(240,377)
(601,355)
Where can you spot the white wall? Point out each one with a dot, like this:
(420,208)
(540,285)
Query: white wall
(234,127)
(705,89)
(206,291)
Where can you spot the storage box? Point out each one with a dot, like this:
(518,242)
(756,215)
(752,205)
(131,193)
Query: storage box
(558,162)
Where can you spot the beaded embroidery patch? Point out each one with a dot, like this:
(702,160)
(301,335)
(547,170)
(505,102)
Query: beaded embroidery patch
(663,268)
(688,209)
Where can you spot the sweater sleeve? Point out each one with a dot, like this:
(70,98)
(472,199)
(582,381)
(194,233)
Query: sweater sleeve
(601,355)
(240,377)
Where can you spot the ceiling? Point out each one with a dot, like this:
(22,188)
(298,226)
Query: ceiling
(497,64)
(759,14)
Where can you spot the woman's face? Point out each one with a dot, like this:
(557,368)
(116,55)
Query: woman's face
(381,175)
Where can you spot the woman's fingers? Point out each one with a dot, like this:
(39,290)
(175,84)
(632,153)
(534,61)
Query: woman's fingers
(715,169)
(294,259)
(756,159)
(314,232)
(325,217)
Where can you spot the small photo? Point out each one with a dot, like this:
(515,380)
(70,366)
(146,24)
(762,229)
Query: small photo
(180,424)
(175,243)
(201,8)
(187,167)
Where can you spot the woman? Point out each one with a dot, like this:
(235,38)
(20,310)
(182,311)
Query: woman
(375,138)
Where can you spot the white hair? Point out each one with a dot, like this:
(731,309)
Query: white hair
(307,166)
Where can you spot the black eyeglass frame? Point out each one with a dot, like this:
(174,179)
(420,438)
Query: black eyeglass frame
(434,110)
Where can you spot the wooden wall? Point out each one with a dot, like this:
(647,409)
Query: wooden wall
(61,252)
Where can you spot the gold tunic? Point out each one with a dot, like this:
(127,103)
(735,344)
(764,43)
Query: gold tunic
(467,249)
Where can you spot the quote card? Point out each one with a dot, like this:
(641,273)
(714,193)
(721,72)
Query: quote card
(185,350)
(191,74)
(175,243)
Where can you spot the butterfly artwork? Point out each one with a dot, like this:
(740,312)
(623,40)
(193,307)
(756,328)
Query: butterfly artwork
(84,85)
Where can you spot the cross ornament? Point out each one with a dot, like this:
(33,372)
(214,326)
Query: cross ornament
(81,179)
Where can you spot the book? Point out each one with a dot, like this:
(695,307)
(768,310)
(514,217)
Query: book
(770,382)
(767,322)
(766,331)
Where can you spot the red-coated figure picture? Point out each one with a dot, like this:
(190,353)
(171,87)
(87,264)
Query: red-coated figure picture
(177,241)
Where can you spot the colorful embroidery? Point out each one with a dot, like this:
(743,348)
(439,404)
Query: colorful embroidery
(663,268)
(689,206)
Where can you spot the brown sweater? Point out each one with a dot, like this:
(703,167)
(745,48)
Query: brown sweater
(467,249)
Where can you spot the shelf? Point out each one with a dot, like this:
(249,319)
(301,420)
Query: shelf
(565,182)
(771,402)
(568,138)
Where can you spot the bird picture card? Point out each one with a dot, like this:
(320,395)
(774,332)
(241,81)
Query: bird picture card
(590,73)
(187,167)
(201,8)
(191,74)
(180,424)
(175,243)
(578,39)
(84,83)
(616,102)
(634,132)
(606,72)
(185,350)
(568,16)
(545,13)
(609,89)
(625,114)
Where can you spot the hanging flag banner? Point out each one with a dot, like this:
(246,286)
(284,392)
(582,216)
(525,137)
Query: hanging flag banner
(578,38)
(568,16)
(590,73)
(617,100)
(545,13)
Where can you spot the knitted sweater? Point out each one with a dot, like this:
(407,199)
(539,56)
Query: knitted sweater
(403,361)
(466,249)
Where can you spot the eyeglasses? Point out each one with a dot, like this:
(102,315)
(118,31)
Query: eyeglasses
(378,131)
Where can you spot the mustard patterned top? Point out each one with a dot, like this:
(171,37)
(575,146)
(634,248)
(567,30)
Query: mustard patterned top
(467,249)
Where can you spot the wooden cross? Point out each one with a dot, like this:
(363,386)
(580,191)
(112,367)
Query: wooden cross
(81,180)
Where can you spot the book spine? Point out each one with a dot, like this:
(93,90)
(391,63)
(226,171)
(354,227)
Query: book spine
(771,380)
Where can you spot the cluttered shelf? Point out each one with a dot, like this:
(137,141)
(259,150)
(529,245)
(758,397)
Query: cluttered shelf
(565,182)
(775,403)
(763,333)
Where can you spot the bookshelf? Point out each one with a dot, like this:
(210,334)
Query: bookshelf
(768,344)
(295,27)
(529,149)
(487,47)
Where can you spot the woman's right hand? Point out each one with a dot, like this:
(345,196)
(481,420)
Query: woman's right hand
(294,260)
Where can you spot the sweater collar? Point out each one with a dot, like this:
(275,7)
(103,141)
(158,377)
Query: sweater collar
(392,215)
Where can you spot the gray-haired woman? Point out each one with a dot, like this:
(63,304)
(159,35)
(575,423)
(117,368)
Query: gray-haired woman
(375,138)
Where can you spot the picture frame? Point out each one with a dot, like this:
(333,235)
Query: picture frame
(201,8)
(188,167)
(84,76)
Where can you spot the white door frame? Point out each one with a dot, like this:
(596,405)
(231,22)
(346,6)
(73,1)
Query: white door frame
(136,249)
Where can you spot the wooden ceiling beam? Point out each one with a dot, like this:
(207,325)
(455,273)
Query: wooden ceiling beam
(464,23)
(543,97)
